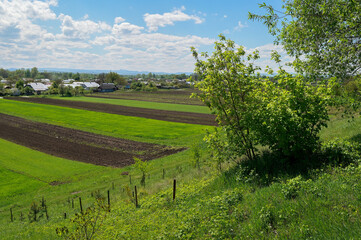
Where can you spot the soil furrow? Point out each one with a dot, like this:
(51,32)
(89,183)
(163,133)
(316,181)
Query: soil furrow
(78,145)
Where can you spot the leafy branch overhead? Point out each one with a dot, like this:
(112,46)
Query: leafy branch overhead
(324,36)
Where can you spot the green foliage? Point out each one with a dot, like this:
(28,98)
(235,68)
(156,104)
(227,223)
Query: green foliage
(292,187)
(37,211)
(289,115)
(113,77)
(284,113)
(340,151)
(144,167)
(197,156)
(85,225)
(19,84)
(226,87)
(323,35)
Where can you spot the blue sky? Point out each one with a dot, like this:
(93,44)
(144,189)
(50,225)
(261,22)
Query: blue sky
(153,36)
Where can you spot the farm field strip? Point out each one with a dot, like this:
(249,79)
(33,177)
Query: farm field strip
(126,127)
(164,115)
(162,96)
(140,104)
(78,145)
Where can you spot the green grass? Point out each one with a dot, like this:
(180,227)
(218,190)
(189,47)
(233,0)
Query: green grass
(141,104)
(342,128)
(24,170)
(163,96)
(134,128)
(208,205)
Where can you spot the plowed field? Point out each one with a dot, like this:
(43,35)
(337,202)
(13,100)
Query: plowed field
(171,116)
(78,145)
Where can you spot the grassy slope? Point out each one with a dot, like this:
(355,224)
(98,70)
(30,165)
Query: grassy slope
(328,205)
(32,177)
(141,104)
(134,128)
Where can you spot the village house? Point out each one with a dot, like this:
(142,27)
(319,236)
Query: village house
(38,87)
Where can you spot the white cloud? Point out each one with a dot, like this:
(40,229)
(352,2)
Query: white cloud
(240,25)
(119,20)
(80,29)
(154,21)
(15,13)
(126,28)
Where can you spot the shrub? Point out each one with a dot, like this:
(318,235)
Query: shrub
(340,151)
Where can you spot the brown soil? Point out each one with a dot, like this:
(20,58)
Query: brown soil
(171,116)
(78,145)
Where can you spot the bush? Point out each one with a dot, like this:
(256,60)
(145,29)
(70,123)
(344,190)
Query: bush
(340,151)
(284,113)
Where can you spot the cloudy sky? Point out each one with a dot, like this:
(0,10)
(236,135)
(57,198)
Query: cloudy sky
(141,35)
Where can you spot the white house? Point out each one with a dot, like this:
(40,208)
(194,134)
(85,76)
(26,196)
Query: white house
(89,85)
(38,87)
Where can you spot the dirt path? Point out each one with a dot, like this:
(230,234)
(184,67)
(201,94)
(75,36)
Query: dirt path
(171,116)
(78,145)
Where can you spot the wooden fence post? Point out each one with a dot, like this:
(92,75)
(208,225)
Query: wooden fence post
(174,188)
(163,173)
(72,203)
(136,196)
(109,200)
(81,206)
(11,215)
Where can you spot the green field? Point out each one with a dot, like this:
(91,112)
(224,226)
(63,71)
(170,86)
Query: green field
(328,204)
(141,104)
(162,96)
(134,128)
(27,174)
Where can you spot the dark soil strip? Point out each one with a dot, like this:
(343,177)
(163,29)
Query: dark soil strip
(159,99)
(171,116)
(78,145)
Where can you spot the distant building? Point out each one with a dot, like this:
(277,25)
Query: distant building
(89,85)
(67,81)
(107,87)
(38,87)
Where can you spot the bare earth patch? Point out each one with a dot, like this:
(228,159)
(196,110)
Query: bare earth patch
(78,145)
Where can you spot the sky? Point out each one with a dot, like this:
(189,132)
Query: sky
(142,35)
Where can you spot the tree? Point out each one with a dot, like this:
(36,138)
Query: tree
(144,167)
(4,73)
(113,77)
(19,84)
(324,36)
(76,77)
(34,72)
(284,113)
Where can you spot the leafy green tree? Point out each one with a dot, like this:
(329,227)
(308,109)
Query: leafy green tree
(113,77)
(27,73)
(76,77)
(324,36)
(144,167)
(34,72)
(285,113)
(226,87)
(19,84)
(28,90)
(4,73)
